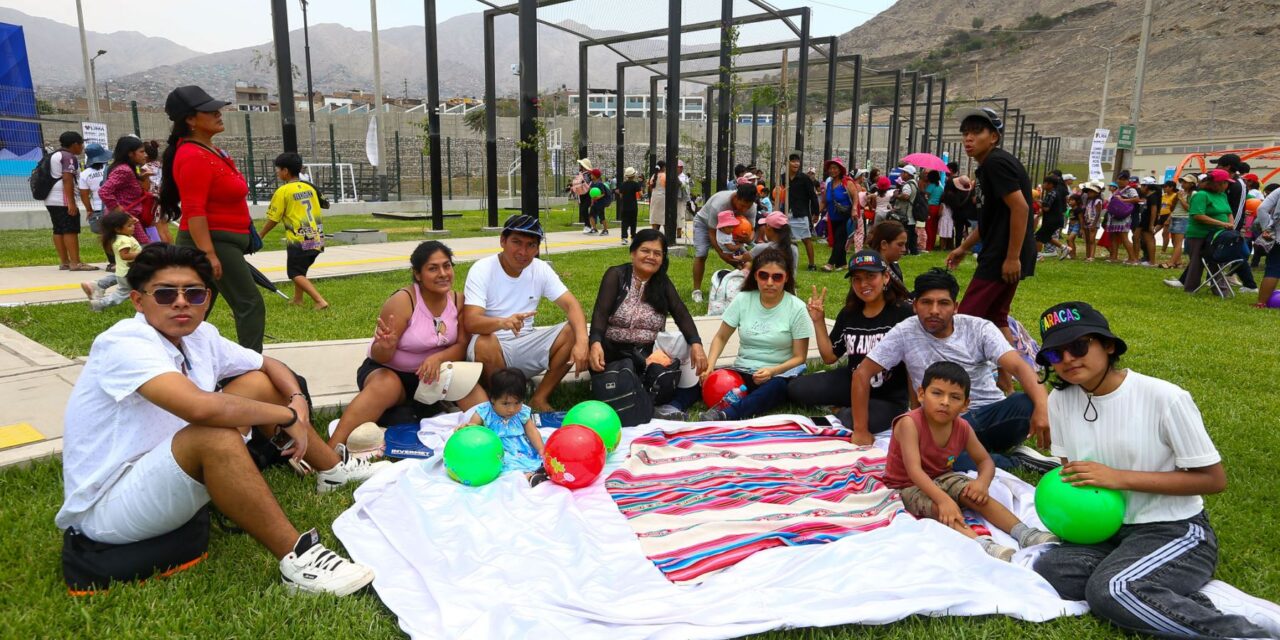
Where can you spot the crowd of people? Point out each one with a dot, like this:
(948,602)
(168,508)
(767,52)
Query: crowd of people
(158,422)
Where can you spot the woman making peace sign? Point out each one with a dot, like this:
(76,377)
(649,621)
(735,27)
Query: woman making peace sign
(875,303)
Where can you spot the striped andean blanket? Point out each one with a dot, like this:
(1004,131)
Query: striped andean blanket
(703,498)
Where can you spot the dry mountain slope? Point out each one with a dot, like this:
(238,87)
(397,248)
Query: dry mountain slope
(1198,54)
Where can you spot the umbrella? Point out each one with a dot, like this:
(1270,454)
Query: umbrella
(927,161)
(261,280)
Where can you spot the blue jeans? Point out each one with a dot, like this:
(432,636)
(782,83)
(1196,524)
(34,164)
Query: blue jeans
(1000,426)
(760,398)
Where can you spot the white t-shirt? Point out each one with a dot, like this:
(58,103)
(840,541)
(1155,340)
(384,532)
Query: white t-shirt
(1146,424)
(91,180)
(715,204)
(60,162)
(500,295)
(110,425)
(974,344)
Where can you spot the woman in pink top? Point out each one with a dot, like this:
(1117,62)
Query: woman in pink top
(418,331)
(122,187)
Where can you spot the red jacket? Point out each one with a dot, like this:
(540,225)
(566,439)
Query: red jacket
(211,187)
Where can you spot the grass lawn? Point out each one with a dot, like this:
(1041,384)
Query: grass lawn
(1210,347)
(25,248)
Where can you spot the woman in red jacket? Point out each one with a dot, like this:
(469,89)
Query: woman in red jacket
(201,186)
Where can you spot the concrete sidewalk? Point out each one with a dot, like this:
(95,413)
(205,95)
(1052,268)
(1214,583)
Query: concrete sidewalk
(37,382)
(46,284)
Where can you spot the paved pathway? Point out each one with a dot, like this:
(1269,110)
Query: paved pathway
(26,285)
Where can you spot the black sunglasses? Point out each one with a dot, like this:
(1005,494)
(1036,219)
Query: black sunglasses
(1077,348)
(168,295)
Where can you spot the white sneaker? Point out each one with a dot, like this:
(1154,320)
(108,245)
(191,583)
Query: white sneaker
(1247,290)
(1173,282)
(1231,600)
(311,568)
(623,242)
(697,295)
(348,469)
(91,290)
(587,231)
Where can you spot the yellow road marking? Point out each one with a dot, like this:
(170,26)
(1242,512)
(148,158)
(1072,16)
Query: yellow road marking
(12,435)
(322,265)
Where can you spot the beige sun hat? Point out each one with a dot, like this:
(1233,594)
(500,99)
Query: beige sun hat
(585,163)
(366,441)
(629,172)
(456,380)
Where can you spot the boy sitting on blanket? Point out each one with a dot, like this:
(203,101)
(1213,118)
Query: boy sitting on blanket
(926,442)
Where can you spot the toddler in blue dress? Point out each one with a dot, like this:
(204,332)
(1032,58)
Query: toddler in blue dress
(508,416)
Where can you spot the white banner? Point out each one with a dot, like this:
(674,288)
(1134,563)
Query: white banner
(1095,153)
(95,132)
(372,141)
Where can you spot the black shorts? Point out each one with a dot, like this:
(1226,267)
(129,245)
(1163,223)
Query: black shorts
(62,222)
(299,260)
(1141,218)
(408,381)
(1049,228)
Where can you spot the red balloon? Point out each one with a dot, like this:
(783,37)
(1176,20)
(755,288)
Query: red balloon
(718,384)
(574,456)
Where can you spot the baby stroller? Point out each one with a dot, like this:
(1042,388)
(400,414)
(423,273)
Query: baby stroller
(1227,251)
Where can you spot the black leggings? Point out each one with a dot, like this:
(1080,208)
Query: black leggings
(839,237)
(832,388)
(627,217)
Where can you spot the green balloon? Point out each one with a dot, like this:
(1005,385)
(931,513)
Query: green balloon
(1083,515)
(595,192)
(473,455)
(598,417)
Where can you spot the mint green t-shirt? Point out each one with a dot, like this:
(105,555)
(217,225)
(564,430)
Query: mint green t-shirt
(765,335)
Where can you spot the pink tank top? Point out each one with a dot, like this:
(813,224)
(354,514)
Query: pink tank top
(420,339)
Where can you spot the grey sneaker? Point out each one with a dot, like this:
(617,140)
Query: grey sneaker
(1034,537)
(1029,458)
(997,551)
(668,412)
(311,568)
(91,290)
(712,415)
(697,295)
(348,469)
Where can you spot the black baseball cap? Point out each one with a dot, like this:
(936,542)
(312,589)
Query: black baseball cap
(1227,160)
(986,113)
(521,223)
(866,260)
(190,99)
(1066,322)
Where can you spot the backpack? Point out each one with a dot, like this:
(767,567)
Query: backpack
(41,178)
(725,285)
(580,185)
(620,387)
(920,206)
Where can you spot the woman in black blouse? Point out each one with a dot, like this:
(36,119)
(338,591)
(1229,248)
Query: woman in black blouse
(875,304)
(630,316)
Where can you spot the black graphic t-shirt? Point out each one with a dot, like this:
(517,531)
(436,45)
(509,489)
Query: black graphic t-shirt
(856,335)
(1000,175)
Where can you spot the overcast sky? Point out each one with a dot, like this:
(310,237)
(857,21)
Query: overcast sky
(219,25)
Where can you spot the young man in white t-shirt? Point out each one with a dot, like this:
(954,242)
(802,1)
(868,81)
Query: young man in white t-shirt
(64,212)
(90,181)
(937,334)
(1142,436)
(502,295)
(149,439)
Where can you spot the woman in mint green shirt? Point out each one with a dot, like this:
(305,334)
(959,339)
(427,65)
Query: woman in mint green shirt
(773,332)
(1209,212)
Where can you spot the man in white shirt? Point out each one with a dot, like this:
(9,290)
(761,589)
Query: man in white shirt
(64,214)
(95,159)
(939,334)
(149,440)
(502,294)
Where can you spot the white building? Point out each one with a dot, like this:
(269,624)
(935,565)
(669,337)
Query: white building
(605,104)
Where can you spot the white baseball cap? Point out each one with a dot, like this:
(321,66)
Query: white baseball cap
(909,168)
(1068,176)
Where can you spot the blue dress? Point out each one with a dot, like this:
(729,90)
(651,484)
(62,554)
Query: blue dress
(518,452)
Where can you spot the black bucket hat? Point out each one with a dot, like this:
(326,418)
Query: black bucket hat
(1066,322)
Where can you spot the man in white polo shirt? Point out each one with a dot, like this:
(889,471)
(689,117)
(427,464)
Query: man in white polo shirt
(148,441)
(502,294)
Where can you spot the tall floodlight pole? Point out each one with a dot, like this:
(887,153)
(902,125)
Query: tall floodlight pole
(91,89)
(1135,108)
(311,96)
(284,75)
(433,119)
(93,77)
(673,117)
(529,107)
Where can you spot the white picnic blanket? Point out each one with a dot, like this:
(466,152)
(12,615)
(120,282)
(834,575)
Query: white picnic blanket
(506,560)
